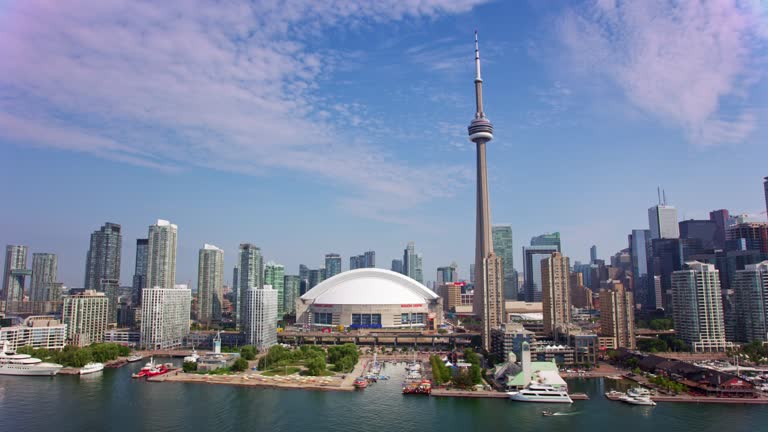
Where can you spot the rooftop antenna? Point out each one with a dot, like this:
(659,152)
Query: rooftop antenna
(658,192)
(665,196)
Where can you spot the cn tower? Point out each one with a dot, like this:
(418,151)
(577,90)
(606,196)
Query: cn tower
(488,301)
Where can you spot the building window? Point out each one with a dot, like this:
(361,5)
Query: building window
(366,321)
(413,318)
(325,318)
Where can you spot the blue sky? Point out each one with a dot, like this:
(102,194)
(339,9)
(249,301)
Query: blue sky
(309,128)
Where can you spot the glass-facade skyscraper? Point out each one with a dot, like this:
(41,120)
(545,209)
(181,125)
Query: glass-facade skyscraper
(140,270)
(397,266)
(44,267)
(502,246)
(274,275)
(332,266)
(210,283)
(15,272)
(250,275)
(548,239)
(639,246)
(102,263)
(532,256)
(161,255)
(412,263)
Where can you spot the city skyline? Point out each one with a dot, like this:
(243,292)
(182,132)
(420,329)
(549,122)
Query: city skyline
(375,190)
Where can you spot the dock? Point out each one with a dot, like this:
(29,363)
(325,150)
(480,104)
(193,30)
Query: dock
(488,394)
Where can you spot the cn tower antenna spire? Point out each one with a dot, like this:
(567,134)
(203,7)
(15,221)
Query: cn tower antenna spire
(478,82)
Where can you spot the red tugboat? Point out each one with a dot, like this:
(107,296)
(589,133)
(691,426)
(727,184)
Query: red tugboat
(360,383)
(421,388)
(151,369)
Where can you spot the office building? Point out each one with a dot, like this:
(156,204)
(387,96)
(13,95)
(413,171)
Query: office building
(662,220)
(250,275)
(502,246)
(472,274)
(667,258)
(15,273)
(748,236)
(86,316)
(292,291)
(547,239)
(165,317)
(698,307)
(397,266)
(210,283)
(412,263)
(450,292)
(315,277)
(44,268)
(639,248)
(532,257)
(720,218)
(161,255)
(366,260)
(556,297)
(37,332)
(102,263)
(332,265)
(447,274)
(274,276)
(617,314)
(751,291)
(765,190)
(703,232)
(260,318)
(140,269)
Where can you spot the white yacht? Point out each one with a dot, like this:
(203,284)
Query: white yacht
(134,358)
(91,368)
(192,358)
(24,364)
(637,400)
(540,393)
(638,392)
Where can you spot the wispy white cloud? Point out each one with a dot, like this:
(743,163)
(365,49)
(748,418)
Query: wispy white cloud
(226,85)
(688,63)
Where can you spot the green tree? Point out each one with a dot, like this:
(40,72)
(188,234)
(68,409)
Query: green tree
(315,366)
(239,365)
(189,366)
(248,352)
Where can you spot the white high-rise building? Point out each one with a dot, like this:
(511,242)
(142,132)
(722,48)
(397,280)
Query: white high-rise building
(164,317)
(161,254)
(210,283)
(750,287)
(662,220)
(260,319)
(698,307)
(86,317)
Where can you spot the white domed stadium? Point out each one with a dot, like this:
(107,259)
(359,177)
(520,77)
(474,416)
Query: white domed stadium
(370,298)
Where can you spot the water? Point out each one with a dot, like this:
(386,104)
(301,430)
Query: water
(112,401)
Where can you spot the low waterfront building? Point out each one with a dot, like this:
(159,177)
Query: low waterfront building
(129,338)
(528,371)
(36,331)
(86,315)
(165,317)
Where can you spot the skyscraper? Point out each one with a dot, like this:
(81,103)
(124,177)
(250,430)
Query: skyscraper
(102,264)
(397,266)
(260,317)
(274,276)
(366,260)
(556,296)
(720,218)
(332,268)
(161,255)
(592,254)
(698,307)
(751,290)
(210,282)
(502,246)
(748,236)
(765,190)
(532,256)
(315,277)
(488,301)
(617,314)
(447,274)
(639,245)
(140,270)
(662,220)
(412,263)
(251,275)
(44,267)
(15,272)
(701,235)
(292,289)
(547,239)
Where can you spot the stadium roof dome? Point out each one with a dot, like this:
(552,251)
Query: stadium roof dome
(369,286)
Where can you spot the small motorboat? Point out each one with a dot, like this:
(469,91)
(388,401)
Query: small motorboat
(360,382)
(546,413)
(134,358)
